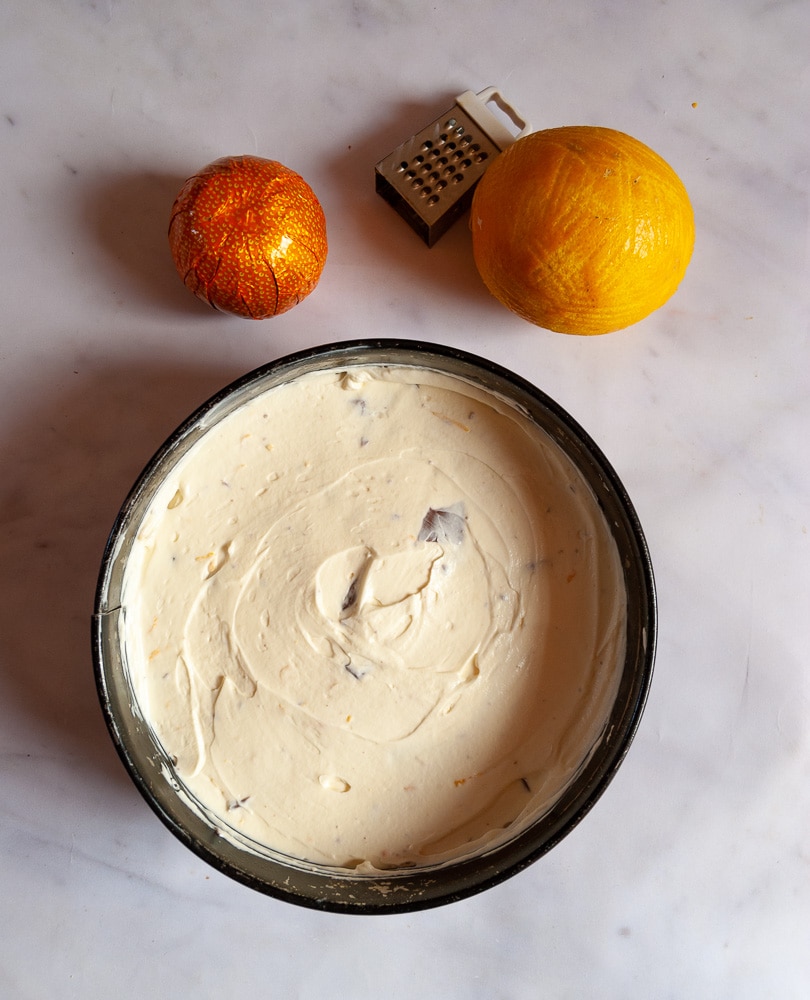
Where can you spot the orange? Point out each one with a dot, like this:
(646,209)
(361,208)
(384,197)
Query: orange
(248,236)
(581,230)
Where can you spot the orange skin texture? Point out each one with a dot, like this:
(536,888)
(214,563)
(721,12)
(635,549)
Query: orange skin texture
(581,230)
(248,236)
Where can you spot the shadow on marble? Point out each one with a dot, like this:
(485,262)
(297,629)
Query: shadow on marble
(68,466)
(127,215)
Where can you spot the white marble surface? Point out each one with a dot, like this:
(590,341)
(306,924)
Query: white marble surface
(691,878)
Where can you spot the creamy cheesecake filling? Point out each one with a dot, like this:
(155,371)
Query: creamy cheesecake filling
(376,617)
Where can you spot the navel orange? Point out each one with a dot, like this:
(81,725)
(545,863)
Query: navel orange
(248,236)
(581,229)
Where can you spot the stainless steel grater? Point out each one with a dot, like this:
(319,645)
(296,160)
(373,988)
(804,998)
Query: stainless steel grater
(430,178)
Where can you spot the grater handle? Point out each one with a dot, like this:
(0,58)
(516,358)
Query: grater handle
(476,107)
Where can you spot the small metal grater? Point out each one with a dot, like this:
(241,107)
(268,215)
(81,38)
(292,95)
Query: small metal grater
(430,178)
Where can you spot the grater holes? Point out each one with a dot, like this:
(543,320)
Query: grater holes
(440,162)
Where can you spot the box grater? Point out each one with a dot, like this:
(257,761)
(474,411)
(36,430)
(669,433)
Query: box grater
(430,178)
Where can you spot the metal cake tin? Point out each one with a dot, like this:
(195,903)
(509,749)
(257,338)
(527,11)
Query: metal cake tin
(311,885)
